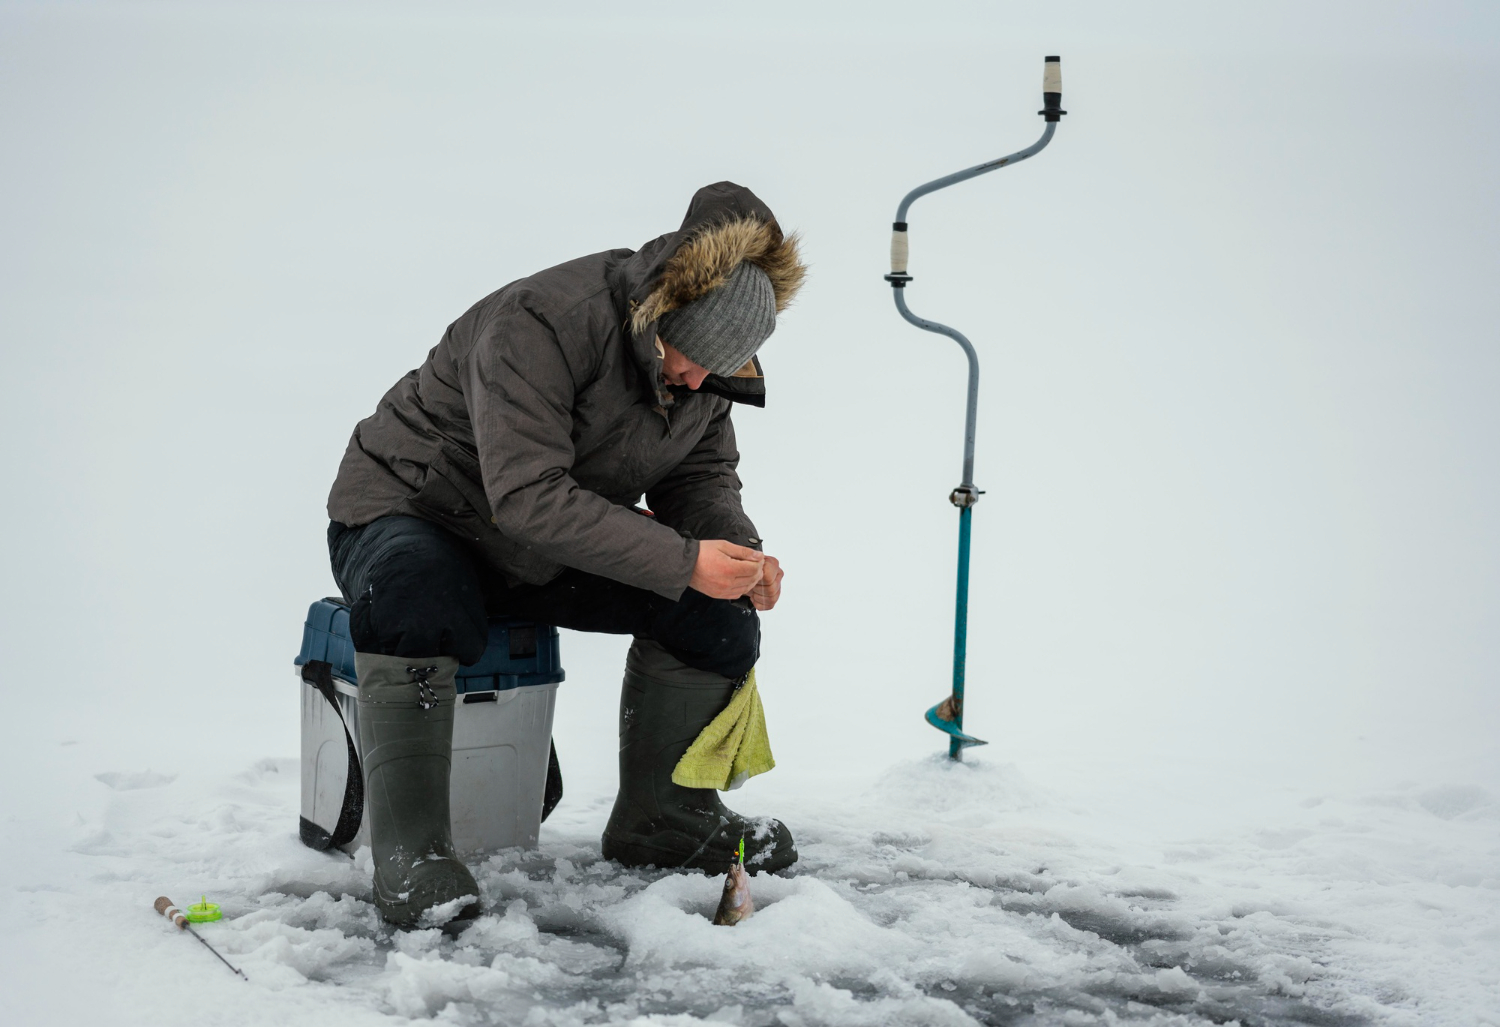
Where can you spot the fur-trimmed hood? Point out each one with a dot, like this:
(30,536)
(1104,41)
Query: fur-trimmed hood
(726,225)
(710,252)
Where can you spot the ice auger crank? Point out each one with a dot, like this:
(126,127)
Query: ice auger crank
(948,715)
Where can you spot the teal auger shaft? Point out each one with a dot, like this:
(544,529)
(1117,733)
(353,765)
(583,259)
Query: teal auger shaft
(960,630)
(948,715)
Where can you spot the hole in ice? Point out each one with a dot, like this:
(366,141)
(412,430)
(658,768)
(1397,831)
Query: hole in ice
(1119,932)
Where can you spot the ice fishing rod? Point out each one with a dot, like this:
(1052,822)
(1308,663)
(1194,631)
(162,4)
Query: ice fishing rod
(948,715)
(168,909)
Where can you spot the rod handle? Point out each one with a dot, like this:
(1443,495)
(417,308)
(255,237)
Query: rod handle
(1052,89)
(165,907)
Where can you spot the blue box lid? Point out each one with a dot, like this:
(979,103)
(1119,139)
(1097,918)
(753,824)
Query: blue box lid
(519,653)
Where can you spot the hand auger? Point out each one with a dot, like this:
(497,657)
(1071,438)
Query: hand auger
(948,715)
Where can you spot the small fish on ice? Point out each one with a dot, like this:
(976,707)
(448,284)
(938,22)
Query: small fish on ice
(735,904)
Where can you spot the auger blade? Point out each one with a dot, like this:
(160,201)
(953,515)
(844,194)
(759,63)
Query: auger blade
(940,717)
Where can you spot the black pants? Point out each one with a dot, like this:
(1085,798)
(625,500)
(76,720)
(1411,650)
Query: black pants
(415,589)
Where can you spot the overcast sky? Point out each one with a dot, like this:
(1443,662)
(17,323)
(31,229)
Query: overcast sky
(1237,326)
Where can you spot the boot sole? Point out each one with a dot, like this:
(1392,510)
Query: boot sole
(403,916)
(406,913)
(637,854)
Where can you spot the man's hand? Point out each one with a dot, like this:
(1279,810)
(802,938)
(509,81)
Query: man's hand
(725,570)
(768,589)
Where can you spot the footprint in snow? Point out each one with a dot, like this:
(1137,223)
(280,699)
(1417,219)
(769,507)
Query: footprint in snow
(125,781)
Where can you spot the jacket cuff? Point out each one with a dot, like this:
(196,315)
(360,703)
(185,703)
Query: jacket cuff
(674,590)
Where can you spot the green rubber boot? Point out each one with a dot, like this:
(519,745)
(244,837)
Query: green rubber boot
(406,742)
(663,706)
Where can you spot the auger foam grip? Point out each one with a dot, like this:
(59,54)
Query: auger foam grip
(899,251)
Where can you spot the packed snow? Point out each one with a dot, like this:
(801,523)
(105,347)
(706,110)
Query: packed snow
(938,893)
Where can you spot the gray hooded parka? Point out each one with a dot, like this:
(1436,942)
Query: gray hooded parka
(541,417)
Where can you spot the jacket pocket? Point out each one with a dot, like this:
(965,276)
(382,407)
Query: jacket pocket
(460,506)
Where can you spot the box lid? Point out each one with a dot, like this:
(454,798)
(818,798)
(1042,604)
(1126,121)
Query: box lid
(519,652)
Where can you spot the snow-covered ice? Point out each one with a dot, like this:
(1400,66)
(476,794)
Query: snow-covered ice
(936,894)
(1236,576)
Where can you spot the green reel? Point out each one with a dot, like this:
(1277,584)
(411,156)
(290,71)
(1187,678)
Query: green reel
(203,912)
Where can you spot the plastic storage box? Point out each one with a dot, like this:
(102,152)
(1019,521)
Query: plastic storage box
(503,767)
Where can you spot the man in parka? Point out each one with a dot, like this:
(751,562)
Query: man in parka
(501,478)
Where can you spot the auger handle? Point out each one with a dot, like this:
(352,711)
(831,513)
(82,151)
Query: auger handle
(1051,112)
(900,248)
(1052,89)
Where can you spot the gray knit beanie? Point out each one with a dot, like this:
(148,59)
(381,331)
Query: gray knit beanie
(722,329)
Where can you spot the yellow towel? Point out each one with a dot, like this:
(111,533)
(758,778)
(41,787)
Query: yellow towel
(732,749)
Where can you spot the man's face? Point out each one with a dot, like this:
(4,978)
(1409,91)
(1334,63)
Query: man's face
(678,369)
